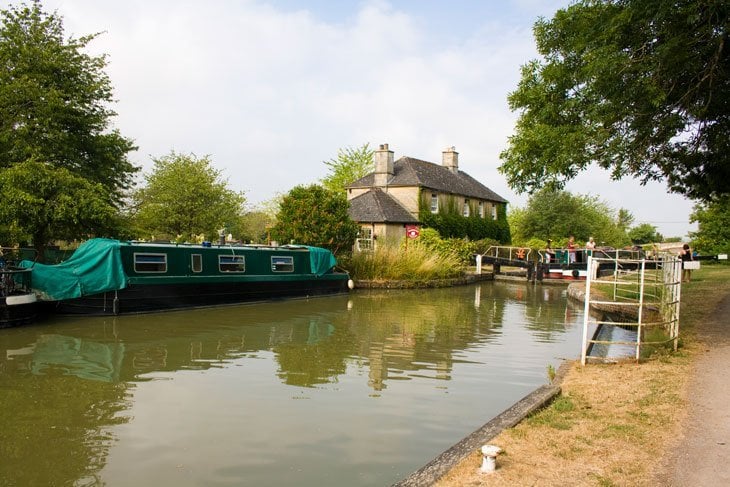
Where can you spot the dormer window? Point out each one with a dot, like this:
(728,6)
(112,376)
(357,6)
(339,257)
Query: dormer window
(434,203)
(466,208)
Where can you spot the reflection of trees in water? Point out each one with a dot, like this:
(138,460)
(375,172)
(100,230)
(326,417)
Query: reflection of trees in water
(546,310)
(417,332)
(55,427)
(315,355)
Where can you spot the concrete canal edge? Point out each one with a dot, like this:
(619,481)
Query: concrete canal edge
(442,464)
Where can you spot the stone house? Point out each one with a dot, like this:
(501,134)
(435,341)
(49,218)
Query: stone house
(388,200)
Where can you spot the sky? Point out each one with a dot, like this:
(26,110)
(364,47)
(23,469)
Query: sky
(270,89)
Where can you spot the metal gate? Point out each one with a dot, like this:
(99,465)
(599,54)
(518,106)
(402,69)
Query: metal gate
(638,294)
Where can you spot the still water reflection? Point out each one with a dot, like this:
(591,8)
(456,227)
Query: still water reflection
(346,390)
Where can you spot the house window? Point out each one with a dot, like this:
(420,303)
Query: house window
(231,263)
(494,212)
(466,208)
(280,263)
(365,239)
(196,262)
(481,209)
(434,203)
(150,262)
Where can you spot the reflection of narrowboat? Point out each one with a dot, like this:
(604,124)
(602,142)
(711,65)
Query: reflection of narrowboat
(107,276)
(18,304)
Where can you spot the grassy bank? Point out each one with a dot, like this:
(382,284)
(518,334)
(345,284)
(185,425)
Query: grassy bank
(393,261)
(612,423)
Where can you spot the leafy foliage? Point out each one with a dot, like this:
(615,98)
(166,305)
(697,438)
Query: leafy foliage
(713,221)
(54,102)
(312,215)
(449,223)
(557,214)
(42,202)
(462,250)
(184,195)
(644,233)
(639,87)
(255,225)
(350,165)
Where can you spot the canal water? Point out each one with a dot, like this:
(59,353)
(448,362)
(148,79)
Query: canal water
(356,390)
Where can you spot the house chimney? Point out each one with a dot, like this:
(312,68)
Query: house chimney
(450,159)
(383,165)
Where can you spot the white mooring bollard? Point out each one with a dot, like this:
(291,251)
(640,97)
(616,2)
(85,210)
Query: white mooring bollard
(489,460)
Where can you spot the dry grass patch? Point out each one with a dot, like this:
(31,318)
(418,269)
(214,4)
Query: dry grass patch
(612,423)
(607,428)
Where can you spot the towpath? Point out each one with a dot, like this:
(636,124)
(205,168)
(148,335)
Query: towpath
(702,453)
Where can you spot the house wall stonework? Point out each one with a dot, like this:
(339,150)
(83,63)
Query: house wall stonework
(380,233)
(407,197)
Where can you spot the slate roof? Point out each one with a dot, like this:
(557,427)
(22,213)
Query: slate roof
(415,172)
(376,206)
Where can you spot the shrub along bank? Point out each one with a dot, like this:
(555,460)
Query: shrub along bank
(429,257)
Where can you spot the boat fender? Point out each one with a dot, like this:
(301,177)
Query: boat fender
(576,273)
(115,304)
(350,284)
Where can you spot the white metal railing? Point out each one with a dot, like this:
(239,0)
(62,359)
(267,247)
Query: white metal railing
(633,284)
(508,253)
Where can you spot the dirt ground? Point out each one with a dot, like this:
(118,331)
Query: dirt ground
(701,454)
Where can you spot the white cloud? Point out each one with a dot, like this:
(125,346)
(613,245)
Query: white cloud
(270,90)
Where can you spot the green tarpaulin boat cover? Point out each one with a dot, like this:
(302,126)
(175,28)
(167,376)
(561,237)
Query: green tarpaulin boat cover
(95,267)
(321,260)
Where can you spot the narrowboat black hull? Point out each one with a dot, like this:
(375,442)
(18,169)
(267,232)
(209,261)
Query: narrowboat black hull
(147,298)
(17,310)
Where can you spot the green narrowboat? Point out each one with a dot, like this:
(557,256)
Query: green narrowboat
(105,276)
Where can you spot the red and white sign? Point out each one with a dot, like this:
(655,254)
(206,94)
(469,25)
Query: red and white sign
(412,231)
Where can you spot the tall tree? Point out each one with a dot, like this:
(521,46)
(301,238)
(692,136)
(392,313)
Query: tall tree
(312,215)
(255,225)
(55,99)
(558,214)
(624,219)
(638,87)
(44,203)
(185,196)
(350,165)
(713,226)
(644,233)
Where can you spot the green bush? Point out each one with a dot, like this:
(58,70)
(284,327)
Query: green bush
(459,248)
(451,225)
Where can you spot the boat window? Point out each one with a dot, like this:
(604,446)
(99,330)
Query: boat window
(231,263)
(196,262)
(282,264)
(150,262)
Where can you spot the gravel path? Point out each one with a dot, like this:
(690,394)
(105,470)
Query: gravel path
(702,456)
